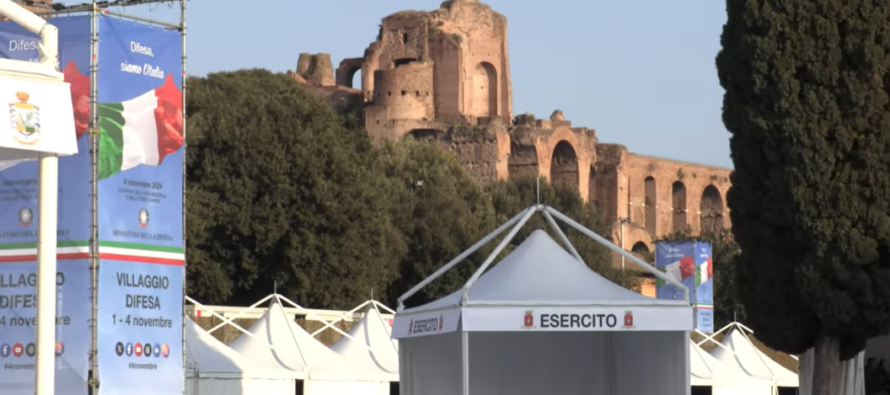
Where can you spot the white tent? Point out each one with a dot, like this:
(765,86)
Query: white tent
(275,339)
(541,321)
(739,353)
(707,371)
(212,368)
(370,344)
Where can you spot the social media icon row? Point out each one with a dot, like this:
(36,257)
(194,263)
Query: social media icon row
(140,349)
(18,349)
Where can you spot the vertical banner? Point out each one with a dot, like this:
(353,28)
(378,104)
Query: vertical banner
(676,259)
(140,209)
(704,288)
(18,230)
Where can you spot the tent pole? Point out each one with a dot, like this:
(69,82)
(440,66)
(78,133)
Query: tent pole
(494,254)
(649,268)
(562,235)
(686,350)
(230,320)
(459,258)
(465,361)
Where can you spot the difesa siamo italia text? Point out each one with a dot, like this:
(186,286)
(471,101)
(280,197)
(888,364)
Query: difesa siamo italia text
(146,68)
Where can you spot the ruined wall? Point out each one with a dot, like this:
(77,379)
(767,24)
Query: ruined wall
(406,91)
(483,150)
(316,69)
(554,150)
(660,196)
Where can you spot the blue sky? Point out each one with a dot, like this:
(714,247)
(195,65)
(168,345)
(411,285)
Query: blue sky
(640,72)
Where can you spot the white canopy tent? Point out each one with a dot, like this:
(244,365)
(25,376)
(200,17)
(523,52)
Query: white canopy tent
(541,321)
(706,370)
(275,339)
(212,368)
(369,343)
(737,352)
(724,380)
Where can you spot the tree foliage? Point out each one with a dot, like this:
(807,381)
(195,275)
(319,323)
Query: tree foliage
(440,212)
(281,194)
(725,258)
(512,196)
(807,104)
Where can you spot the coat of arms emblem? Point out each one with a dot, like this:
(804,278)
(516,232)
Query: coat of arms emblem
(25,119)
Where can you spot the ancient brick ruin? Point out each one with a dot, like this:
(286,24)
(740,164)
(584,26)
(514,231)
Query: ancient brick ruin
(445,75)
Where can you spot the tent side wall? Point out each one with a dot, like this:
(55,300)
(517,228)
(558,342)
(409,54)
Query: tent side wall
(430,365)
(542,362)
(650,362)
(332,387)
(238,386)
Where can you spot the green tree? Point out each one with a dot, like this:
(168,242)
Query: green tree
(807,104)
(725,257)
(280,193)
(440,211)
(512,196)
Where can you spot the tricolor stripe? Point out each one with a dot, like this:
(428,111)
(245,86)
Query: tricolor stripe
(69,250)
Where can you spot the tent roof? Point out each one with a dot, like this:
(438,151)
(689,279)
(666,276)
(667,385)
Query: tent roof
(745,357)
(295,349)
(540,272)
(209,357)
(373,346)
(705,369)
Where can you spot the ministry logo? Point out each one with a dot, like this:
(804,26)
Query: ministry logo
(26,216)
(143,218)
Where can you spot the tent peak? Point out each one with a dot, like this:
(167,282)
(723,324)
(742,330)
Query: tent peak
(550,215)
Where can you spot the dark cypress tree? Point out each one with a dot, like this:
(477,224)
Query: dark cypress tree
(807,104)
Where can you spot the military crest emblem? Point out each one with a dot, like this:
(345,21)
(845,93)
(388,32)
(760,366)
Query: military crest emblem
(25,119)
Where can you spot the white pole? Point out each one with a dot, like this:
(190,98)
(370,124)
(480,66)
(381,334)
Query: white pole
(621,236)
(47,206)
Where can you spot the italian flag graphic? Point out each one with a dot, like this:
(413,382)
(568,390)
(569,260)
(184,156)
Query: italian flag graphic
(141,131)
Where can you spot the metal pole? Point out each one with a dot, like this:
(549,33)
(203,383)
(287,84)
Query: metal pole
(621,238)
(48,207)
(649,268)
(465,361)
(182,26)
(459,258)
(94,198)
(494,254)
(563,237)
(143,19)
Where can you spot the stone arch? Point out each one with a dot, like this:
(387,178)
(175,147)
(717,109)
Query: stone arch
(485,91)
(678,205)
(642,249)
(564,164)
(351,74)
(711,209)
(649,193)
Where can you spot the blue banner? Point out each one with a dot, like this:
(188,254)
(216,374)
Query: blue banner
(676,259)
(18,231)
(140,328)
(140,217)
(704,287)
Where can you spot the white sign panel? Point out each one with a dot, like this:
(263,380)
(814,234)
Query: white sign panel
(425,323)
(36,116)
(577,319)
